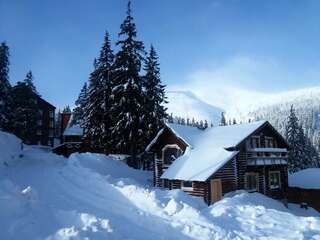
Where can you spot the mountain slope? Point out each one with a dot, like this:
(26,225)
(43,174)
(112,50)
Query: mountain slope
(187,105)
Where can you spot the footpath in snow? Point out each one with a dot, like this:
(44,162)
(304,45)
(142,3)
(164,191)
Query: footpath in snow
(91,196)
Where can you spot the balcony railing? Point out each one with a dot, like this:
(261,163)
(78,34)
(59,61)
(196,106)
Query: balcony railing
(267,156)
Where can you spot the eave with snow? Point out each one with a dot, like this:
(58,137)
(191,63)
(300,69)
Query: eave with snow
(209,163)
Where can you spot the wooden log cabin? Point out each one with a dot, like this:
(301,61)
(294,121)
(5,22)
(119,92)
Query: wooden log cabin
(209,163)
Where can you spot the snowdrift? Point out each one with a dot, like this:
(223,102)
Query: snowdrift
(92,196)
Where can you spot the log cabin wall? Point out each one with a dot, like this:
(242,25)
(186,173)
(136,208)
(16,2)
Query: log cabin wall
(228,176)
(166,138)
(263,171)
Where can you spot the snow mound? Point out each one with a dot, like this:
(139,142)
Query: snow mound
(92,196)
(187,105)
(10,148)
(307,178)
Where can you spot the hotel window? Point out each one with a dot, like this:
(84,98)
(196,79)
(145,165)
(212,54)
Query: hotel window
(274,179)
(251,182)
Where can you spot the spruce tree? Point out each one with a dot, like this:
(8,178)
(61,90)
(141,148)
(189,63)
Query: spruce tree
(128,113)
(25,112)
(29,82)
(96,120)
(5,87)
(293,136)
(155,96)
(223,121)
(80,103)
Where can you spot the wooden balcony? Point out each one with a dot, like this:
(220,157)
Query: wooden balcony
(267,156)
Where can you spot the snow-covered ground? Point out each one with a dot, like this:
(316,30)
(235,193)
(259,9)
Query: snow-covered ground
(91,196)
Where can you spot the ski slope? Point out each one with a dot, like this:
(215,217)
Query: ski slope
(92,196)
(187,105)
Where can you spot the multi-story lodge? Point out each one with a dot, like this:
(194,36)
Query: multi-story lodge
(45,124)
(210,162)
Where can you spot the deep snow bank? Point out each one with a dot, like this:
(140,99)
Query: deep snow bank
(91,196)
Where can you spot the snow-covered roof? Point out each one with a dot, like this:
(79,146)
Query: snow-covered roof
(307,178)
(207,152)
(74,130)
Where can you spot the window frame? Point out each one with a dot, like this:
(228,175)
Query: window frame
(257,181)
(272,187)
(187,187)
(170,146)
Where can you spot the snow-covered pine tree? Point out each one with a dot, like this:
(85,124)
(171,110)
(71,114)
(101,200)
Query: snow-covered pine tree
(294,141)
(96,118)
(25,112)
(223,121)
(128,108)
(155,96)
(5,87)
(80,103)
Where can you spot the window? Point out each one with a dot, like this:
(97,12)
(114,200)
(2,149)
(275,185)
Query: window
(51,114)
(40,112)
(39,132)
(251,182)
(51,124)
(268,141)
(274,179)
(171,153)
(186,185)
(39,122)
(50,133)
(255,142)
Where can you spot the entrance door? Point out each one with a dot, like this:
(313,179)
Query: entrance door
(216,190)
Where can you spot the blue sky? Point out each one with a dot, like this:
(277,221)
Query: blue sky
(263,46)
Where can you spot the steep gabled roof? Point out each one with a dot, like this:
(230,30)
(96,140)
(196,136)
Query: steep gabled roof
(207,151)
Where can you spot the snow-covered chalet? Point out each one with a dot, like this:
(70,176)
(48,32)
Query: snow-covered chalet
(211,162)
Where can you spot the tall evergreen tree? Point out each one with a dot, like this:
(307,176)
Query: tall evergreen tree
(128,113)
(293,136)
(5,98)
(29,82)
(155,96)
(80,103)
(25,112)
(97,110)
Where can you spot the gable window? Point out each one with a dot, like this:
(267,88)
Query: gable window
(274,179)
(251,182)
(186,185)
(269,143)
(255,142)
(170,153)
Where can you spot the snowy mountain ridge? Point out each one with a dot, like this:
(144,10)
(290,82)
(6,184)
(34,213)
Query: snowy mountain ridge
(186,104)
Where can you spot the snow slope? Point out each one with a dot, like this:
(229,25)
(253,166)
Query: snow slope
(91,196)
(187,105)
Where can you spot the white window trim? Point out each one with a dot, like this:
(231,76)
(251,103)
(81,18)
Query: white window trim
(187,188)
(275,187)
(257,180)
(169,146)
